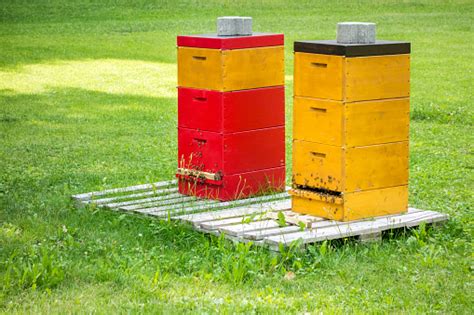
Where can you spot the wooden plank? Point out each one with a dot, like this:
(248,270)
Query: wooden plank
(239,229)
(235,220)
(151,206)
(377,122)
(212,225)
(142,202)
(215,204)
(114,201)
(235,212)
(253,68)
(295,218)
(377,77)
(347,229)
(326,114)
(88,196)
(261,234)
(370,237)
(362,204)
(228,70)
(319,76)
(350,169)
(201,207)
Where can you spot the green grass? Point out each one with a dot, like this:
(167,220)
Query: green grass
(87,102)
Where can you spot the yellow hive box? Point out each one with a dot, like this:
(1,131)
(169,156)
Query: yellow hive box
(351,124)
(351,206)
(341,169)
(351,79)
(229,70)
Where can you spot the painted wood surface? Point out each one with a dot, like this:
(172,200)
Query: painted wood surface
(345,170)
(351,206)
(347,124)
(234,111)
(230,70)
(351,79)
(230,42)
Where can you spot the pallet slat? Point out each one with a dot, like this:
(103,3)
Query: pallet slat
(235,212)
(88,196)
(239,229)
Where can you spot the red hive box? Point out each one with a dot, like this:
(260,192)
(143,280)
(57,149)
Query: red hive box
(231,134)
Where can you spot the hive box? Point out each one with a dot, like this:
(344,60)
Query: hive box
(351,127)
(217,67)
(342,169)
(231,115)
(350,206)
(233,111)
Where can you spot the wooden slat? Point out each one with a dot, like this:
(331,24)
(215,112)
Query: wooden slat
(212,225)
(239,229)
(236,212)
(296,218)
(209,225)
(261,234)
(88,196)
(204,205)
(143,202)
(152,206)
(111,200)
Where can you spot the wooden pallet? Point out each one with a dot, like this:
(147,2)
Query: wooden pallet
(264,220)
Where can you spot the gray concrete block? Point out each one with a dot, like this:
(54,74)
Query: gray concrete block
(246,26)
(234,26)
(355,33)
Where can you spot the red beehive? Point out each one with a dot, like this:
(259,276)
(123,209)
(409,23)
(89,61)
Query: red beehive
(231,115)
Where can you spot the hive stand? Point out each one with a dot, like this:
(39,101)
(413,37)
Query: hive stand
(253,219)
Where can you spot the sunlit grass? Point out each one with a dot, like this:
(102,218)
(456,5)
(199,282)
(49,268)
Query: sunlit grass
(123,77)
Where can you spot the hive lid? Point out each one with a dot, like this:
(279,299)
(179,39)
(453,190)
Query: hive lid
(230,42)
(332,47)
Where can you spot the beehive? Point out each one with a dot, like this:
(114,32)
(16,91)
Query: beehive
(351,127)
(231,115)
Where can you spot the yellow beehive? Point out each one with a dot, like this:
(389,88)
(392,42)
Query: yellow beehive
(230,70)
(351,128)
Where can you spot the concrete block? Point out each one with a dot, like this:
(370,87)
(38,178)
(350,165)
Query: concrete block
(355,33)
(234,26)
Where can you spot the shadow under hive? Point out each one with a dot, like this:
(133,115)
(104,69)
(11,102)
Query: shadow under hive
(351,127)
(231,115)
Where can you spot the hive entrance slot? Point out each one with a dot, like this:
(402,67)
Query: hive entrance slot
(199,58)
(200,142)
(318,154)
(319,190)
(200,99)
(317,109)
(319,64)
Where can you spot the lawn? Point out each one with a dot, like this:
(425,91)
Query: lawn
(88,102)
